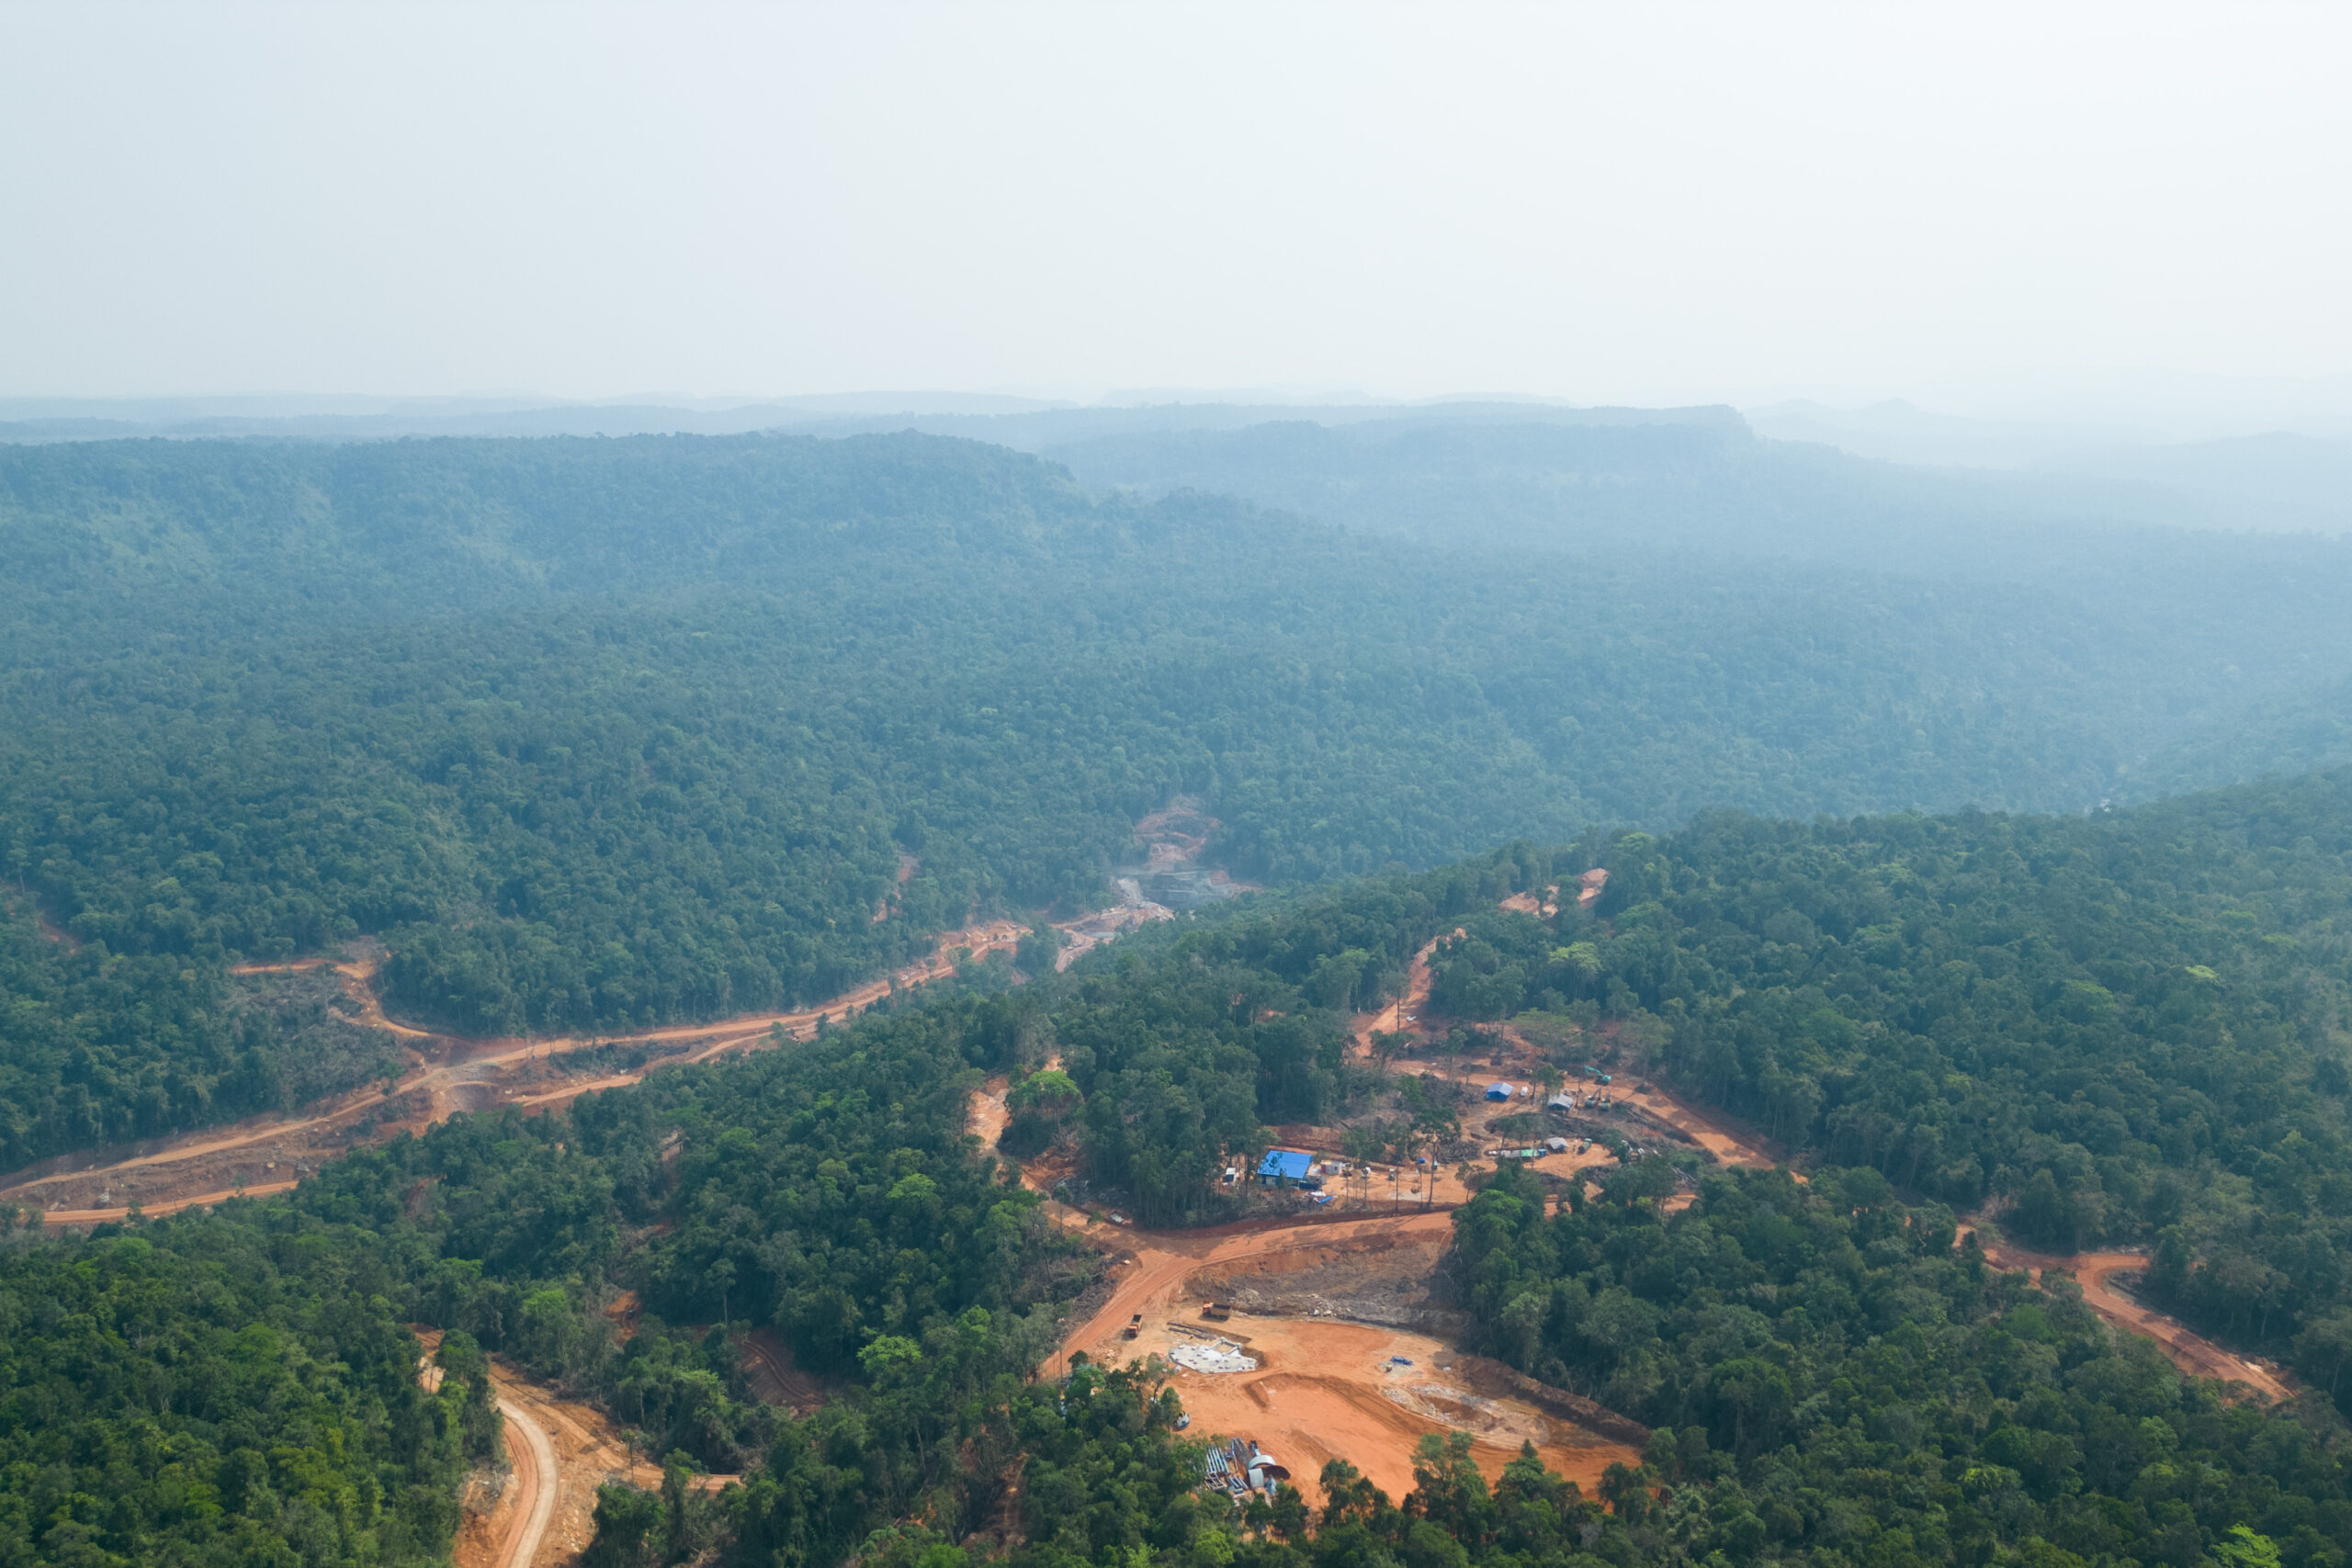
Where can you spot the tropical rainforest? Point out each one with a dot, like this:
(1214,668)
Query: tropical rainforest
(584,735)
(1829,1374)
(596,734)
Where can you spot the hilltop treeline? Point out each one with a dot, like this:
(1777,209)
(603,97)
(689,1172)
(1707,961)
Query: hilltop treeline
(594,734)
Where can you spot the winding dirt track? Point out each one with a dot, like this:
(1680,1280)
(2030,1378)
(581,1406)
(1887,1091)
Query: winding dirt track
(449,1073)
(522,1512)
(560,1451)
(2191,1352)
(535,1479)
(169,1206)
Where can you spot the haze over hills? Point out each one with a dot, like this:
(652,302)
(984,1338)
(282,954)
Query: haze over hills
(1526,786)
(2277,480)
(607,732)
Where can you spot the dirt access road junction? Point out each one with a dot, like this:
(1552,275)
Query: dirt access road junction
(1330,1375)
(442,1075)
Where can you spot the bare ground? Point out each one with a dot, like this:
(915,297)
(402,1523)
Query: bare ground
(2188,1350)
(561,1450)
(445,1075)
(1327,1387)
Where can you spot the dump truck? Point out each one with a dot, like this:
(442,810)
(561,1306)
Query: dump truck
(1218,1311)
(1134,1327)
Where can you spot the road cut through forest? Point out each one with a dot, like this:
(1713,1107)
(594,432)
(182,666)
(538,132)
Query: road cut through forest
(2188,1350)
(445,1074)
(1323,1386)
(560,1451)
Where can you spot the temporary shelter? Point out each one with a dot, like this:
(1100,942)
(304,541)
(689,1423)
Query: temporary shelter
(1284,1168)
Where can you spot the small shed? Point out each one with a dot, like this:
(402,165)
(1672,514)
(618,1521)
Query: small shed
(1284,1168)
(1565,1104)
(1555,1145)
(1498,1091)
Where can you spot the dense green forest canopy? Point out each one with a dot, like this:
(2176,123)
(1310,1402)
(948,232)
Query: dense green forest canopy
(599,733)
(2129,1029)
(242,1387)
(2139,563)
(1830,1379)
(230,1392)
(1829,1382)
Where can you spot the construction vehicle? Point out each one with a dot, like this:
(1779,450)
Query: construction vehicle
(1218,1311)
(1134,1327)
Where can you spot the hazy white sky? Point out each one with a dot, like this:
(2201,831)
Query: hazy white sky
(1606,203)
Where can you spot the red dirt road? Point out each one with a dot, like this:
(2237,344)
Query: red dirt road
(2191,1352)
(156,1212)
(1415,997)
(449,1073)
(535,1488)
(1720,1136)
(561,1450)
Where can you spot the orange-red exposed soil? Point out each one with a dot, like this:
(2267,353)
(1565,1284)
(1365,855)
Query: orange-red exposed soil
(561,1450)
(1327,1390)
(1323,1388)
(776,1378)
(2191,1352)
(985,1116)
(1399,1015)
(169,1206)
(358,983)
(1541,903)
(446,1073)
(1720,1136)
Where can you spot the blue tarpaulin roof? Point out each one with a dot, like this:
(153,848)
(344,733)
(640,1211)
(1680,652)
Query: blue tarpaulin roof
(1498,1091)
(1288,1164)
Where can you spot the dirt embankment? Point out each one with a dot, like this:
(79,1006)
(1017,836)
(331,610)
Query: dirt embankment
(561,1450)
(1727,1140)
(446,1073)
(1325,1387)
(776,1378)
(985,1115)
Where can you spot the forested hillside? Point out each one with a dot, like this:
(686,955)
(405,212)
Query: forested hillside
(1829,1382)
(599,733)
(2245,598)
(226,1392)
(2127,1029)
(2116,1026)
(1698,482)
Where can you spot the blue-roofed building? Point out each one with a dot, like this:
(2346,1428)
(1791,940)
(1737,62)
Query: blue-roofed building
(1284,1168)
(1498,1091)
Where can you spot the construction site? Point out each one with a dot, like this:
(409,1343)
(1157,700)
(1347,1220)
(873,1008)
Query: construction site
(1323,1328)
